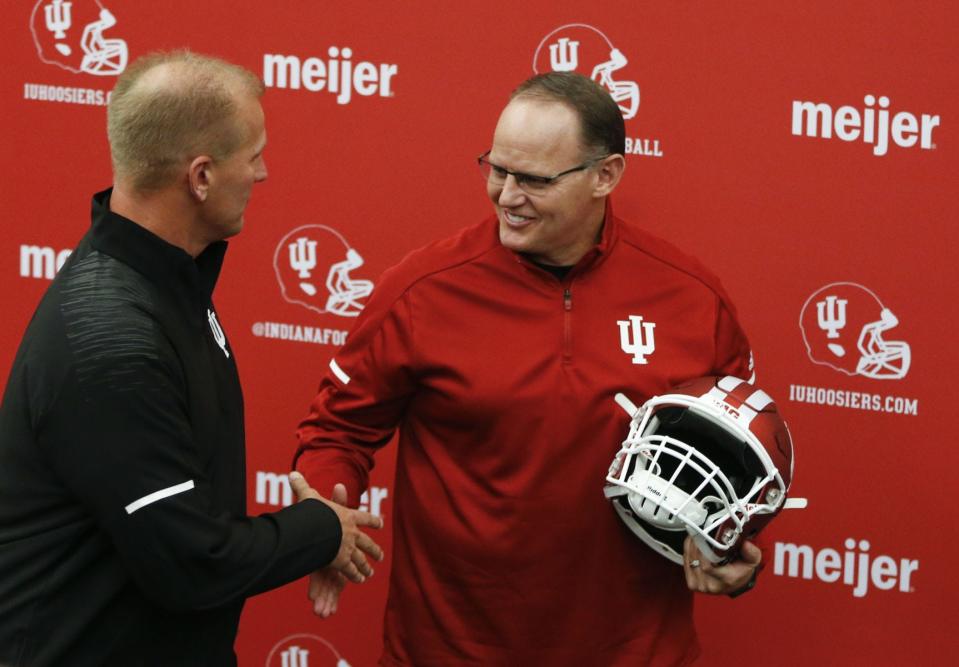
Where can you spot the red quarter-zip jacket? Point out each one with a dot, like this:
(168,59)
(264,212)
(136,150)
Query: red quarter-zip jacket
(500,379)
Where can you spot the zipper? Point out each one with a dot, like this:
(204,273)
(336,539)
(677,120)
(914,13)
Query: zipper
(567,325)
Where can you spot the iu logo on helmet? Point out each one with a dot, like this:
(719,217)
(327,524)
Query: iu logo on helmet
(305,650)
(843,325)
(70,35)
(583,48)
(314,266)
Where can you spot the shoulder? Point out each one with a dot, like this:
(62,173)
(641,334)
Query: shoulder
(93,336)
(99,292)
(468,245)
(669,258)
(109,318)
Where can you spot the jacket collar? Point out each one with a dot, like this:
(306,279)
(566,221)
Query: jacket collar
(167,266)
(595,256)
(607,241)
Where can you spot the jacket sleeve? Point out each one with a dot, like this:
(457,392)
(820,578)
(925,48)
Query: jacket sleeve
(733,353)
(116,432)
(361,399)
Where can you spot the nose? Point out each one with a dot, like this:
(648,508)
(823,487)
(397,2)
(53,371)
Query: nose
(260,174)
(510,193)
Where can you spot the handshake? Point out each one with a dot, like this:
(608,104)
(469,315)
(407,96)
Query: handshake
(352,560)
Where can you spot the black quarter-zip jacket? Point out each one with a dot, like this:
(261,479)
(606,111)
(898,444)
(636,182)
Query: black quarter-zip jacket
(124,538)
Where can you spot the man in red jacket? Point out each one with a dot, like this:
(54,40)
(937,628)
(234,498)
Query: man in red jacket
(497,353)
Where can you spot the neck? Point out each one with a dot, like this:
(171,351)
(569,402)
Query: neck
(162,212)
(572,254)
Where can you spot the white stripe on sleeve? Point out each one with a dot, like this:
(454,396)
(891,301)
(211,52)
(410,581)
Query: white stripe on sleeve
(339,372)
(159,495)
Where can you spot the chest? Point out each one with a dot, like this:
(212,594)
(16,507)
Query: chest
(212,398)
(516,348)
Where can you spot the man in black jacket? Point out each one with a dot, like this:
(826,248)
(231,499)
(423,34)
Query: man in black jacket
(124,538)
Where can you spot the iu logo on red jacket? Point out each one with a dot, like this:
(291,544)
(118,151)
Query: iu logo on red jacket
(636,338)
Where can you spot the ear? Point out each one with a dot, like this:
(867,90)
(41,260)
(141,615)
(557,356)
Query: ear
(201,177)
(608,173)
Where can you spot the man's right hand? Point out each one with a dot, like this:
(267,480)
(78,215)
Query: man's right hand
(351,559)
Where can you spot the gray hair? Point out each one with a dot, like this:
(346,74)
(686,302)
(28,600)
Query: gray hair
(167,108)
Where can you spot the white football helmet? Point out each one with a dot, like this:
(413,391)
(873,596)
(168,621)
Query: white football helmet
(712,459)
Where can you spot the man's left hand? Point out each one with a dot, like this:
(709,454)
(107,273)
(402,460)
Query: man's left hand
(733,577)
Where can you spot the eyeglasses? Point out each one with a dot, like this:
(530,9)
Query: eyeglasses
(530,184)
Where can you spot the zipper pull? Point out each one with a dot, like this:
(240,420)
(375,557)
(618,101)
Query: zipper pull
(567,299)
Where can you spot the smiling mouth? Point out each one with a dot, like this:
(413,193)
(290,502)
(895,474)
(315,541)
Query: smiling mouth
(515,220)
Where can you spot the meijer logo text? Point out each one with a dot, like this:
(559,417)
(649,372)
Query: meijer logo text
(876,126)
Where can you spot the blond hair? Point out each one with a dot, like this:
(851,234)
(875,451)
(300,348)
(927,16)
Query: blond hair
(168,108)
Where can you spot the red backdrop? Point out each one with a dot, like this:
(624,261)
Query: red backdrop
(782,199)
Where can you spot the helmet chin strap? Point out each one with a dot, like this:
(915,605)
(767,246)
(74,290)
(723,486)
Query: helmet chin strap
(627,405)
(660,503)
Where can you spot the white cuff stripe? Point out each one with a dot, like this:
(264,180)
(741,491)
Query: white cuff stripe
(159,495)
(338,372)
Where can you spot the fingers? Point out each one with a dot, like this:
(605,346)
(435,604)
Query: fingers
(324,591)
(691,555)
(326,605)
(704,576)
(751,554)
(339,494)
(300,487)
(371,548)
(365,546)
(362,564)
(367,520)
(315,589)
(331,597)
(352,572)
(353,562)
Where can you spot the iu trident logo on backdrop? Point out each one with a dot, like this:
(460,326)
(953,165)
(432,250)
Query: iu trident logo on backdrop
(70,35)
(843,324)
(636,338)
(304,650)
(583,48)
(314,266)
